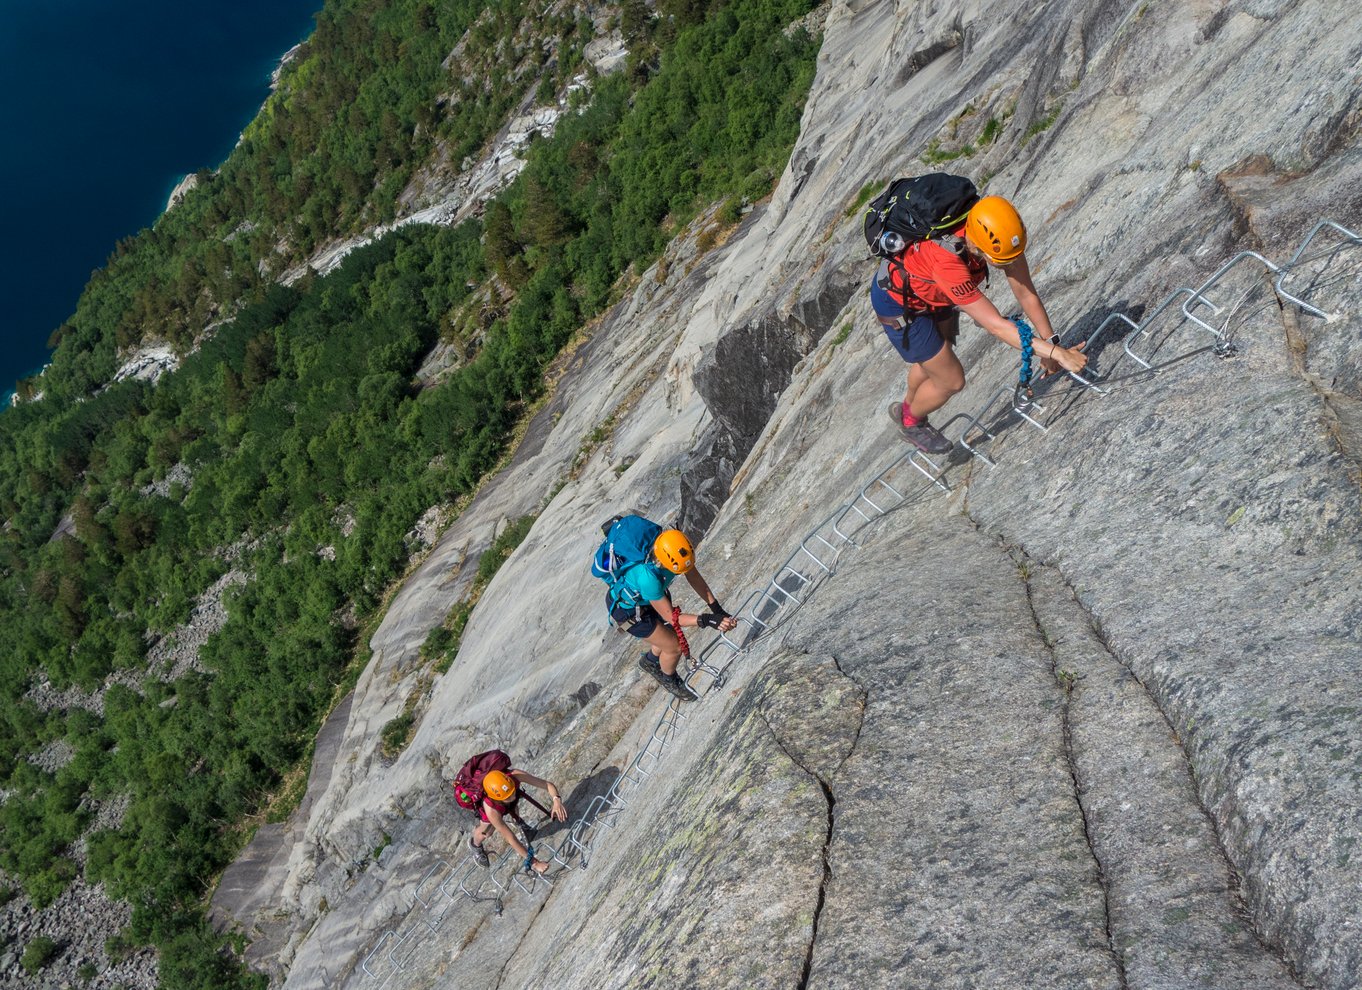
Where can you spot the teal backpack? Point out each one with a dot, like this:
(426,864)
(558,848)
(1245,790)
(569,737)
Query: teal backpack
(628,542)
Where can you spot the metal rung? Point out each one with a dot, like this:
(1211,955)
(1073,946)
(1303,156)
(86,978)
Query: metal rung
(416,894)
(434,926)
(376,950)
(774,586)
(837,519)
(392,957)
(864,496)
(701,667)
(579,835)
(1019,406)
(916,456)
(1114,317)
(976,421)
(472,868)
(492,876)
(1087,383)
(616,792)
(725,641)
(1143,326)
(1198,297)
(558,854)
(1300,252)
(804,548)
(662,734)
(737,614)
(535,877)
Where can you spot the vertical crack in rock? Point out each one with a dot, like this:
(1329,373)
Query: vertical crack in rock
(831,800)
(1065,684)
(860,723)
(1341,426)
(1234,884)
(822,886)
(524,934)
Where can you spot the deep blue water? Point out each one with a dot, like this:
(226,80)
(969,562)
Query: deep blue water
(104,107)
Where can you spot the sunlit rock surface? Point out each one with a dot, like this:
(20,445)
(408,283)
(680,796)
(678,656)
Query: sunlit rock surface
(1092,719)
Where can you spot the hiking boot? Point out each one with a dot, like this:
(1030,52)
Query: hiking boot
(678,687)
(651,666)
(923,436)
(479,853)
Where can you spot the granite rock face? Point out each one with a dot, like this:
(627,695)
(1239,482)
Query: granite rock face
(1092,718)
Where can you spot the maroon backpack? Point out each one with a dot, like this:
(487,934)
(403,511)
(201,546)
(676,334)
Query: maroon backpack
(468,781)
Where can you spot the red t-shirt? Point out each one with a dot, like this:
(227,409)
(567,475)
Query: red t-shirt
(504,807)
(937,277)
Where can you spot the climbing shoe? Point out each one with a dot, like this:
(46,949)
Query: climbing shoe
(923,436)
(479,853)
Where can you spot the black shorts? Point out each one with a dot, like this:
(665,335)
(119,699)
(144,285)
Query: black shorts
(639,622)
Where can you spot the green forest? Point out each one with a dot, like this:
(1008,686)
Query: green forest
(293,444)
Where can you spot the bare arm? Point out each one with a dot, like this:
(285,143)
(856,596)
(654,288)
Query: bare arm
(499,823)
(558,811)
(505,831)
(1024,289)
(984,313)
(701,587)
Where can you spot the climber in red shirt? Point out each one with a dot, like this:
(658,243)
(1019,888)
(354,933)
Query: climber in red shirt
(918,296)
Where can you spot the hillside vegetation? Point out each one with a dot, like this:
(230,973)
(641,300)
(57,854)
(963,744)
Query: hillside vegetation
(292,448)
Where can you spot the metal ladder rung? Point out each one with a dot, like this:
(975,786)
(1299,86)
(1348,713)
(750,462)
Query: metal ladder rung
(416,897)
(399,963)
(375,951)
(1142,329)
(1020,405)
(1198,296)
(975,421)
(1300,252)
(804,547)
(916,456)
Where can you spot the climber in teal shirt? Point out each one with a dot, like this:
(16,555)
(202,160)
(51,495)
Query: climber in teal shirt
(640,602)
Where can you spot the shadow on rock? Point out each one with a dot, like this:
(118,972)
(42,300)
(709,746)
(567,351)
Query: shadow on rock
(579,800)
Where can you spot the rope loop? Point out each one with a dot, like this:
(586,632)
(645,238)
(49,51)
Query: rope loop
(680,636)
(1023,392)
(1025,332)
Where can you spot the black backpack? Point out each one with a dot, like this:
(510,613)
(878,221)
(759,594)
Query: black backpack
(917,209)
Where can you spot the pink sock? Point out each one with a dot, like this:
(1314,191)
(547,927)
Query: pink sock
(908,418)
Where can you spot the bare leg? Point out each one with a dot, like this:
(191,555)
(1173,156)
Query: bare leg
(481,833)
(932,382)
(916,376)
(666,648)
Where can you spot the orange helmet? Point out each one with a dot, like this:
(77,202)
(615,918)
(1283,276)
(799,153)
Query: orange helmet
(673,551)
(498,786)
(996,229)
